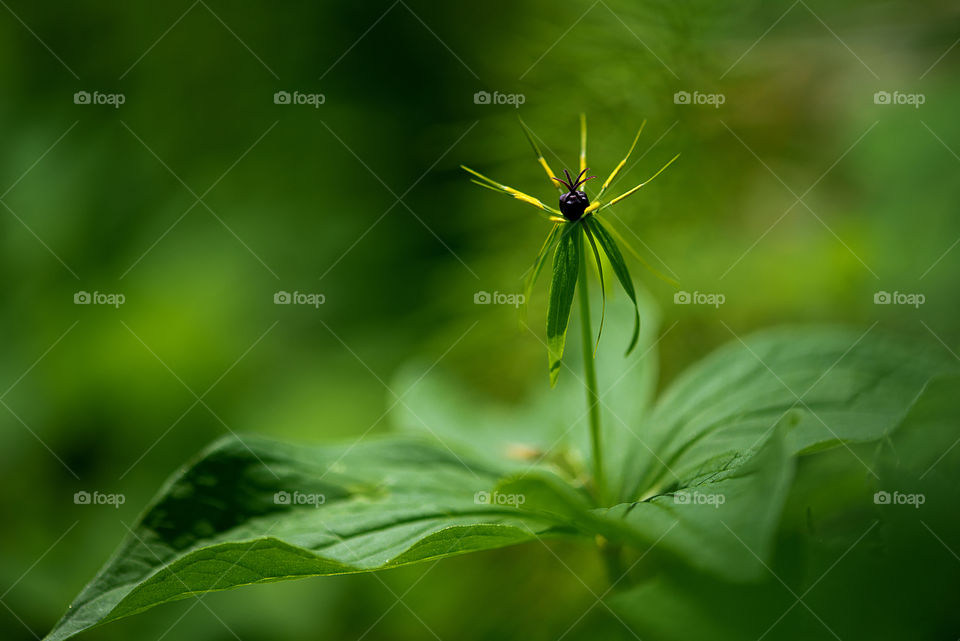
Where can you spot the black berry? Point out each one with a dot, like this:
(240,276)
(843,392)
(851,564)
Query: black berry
(574,202)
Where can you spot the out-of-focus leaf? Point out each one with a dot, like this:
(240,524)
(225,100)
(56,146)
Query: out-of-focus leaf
(715,425)
(843,540)
(823,386)
(256,511)
(722,522)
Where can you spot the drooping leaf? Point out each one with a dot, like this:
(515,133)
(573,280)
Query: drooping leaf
(566,269)
(256,511)
(620,269)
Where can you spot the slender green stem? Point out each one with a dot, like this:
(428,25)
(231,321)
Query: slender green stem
(590,374)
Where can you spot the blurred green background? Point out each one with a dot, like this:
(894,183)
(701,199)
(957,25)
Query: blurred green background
(199,198)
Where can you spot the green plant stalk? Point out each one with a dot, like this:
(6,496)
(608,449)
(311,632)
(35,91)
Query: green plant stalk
(590,376)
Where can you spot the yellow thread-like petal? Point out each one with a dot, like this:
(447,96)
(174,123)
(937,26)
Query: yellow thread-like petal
(546,169)
(489,183)
(539,154)
(583,142)
(623,162)
(624,195)
(530,199)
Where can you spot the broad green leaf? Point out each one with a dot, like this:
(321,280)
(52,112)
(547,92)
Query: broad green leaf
(825,386)
(255,511)
(864,569)
(722,522)
(853,387)
(552,497)
(566,269)
(620,269)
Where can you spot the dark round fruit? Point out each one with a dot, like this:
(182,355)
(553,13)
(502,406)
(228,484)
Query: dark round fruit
(572,204)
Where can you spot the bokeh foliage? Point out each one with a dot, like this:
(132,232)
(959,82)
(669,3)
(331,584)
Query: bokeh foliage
(286,216)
